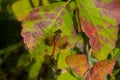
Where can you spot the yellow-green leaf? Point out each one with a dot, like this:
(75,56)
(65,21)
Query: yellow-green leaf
(21,9)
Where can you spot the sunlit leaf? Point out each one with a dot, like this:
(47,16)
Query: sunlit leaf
(61,61)
(39,29)
(101,69)
(21,9)
(35,67)
(66,76)
(78,62)
(115,53)
(45,2)
(35,3)
(99,20)
(79,47)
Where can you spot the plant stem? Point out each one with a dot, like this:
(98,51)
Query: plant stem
(88,53)
(85,39)
(11,48)
(78,17)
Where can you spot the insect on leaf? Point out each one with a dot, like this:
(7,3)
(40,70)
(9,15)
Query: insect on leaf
(39,29)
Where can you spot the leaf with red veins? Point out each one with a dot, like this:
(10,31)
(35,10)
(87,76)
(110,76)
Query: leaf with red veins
(34,15)
(111,8)
(78,62)
(39,27)
(99,20)
(101,69)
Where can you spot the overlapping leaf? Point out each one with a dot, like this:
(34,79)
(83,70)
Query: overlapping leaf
(35,68)
(98,72)
(21,8)
(66,76)
(99,20)
(78,63)
(39,28)
(101,69)
(79,47)
(36,3)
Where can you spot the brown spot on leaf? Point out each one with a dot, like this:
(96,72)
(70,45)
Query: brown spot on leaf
(34,15)
(111,9)
(39,30)
(68,8)
(59,9)
(99,28)
(63,13)
(107,41)
(109,26)
(74,31)
(46,50)
(50,16)
(59,20)
(44,23)
(49,41)
(63,42)
(104,39)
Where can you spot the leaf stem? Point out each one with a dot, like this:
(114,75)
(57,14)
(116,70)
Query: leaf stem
(11,48)
(88,53)
(78,17)
(88,58)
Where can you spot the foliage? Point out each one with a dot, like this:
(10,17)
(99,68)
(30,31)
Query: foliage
(65,39)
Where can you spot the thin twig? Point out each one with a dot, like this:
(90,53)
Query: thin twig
(88,51)
(78,17)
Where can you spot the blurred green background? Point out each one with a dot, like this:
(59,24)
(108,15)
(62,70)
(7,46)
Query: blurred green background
(14,56)
(11,43)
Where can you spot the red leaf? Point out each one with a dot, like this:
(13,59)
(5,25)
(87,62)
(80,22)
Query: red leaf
(101,69)
(78,62)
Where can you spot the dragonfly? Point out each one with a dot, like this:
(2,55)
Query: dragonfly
(56,41)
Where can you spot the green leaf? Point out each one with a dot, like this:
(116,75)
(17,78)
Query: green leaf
(24,60)
(115,53)
(21,8)
(35,3)
(66,76)
(35,68)
(61,64)
(99,20)
(78,47)
(39,29)
(45,2)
